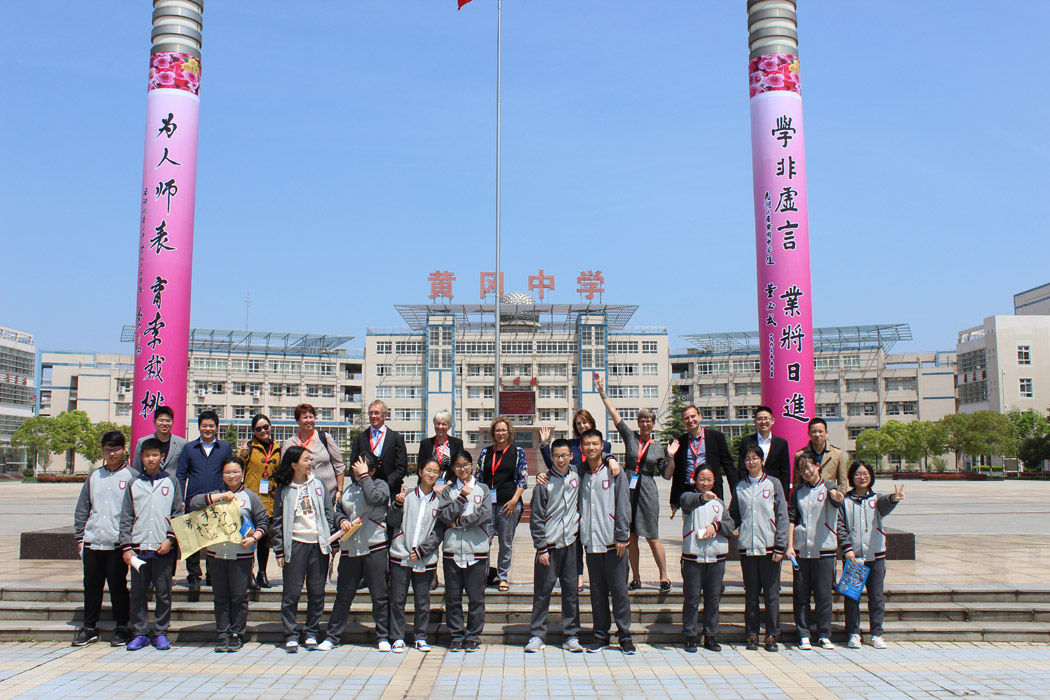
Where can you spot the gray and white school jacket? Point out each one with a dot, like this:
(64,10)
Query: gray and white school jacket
(760,511)
(696,516)
(416,530)
(284,517)
(252,509)
(814,515)
(366,499)
(96,521)
(554,517)
(860,524)
(149,505)
(466,519)
(605,508)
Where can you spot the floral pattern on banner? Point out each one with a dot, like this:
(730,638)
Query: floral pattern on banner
(778,71)
(179,71)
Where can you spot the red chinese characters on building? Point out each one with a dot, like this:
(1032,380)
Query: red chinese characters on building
(541,283)
(590,282)
(488,283)
(441,284)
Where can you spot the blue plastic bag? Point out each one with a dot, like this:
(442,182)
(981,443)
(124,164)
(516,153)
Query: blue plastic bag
(851,583)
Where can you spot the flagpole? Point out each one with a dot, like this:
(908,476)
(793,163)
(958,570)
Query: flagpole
(499,35)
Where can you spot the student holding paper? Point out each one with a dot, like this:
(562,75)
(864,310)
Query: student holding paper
(230,563)
(863,541)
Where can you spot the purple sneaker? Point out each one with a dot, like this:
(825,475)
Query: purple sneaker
(161,642)
(138,642)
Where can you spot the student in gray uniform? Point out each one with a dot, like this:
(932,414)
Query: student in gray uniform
(150,502)
(230,563)
(465,509)
(605,530)
(813,512)
(863,541)
(96,524)
(555,523)
(303,518)
(364,554)
(706,527)
(414,553)
(760,510)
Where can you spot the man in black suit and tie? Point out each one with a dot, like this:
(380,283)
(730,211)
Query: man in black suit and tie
(388,447)
(698,447)
(776,455)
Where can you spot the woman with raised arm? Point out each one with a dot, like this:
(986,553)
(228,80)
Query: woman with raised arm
(644,459)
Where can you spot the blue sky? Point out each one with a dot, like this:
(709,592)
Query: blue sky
(347,149)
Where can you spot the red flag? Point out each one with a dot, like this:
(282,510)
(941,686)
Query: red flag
(461,4)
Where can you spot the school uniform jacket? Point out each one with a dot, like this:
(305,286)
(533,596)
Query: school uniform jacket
(760,510)
(696,516)
(393,457)
(554,513)
(150,502)
(605,508)
(284,517)
(833,465)
(814,515)
(414,537)
(466,519)
(252,509)
(96,521)
(860,525)
(718,461)
(367,499)
(777,464)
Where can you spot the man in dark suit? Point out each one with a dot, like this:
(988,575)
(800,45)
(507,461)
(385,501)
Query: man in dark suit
(442,446)
(388,447)
(776,454)
(697,447)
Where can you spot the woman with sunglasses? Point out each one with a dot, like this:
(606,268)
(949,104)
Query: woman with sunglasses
(261,454)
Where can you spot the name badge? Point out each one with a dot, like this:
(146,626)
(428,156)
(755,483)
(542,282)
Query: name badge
(492,493)
(634,481)
(264,486)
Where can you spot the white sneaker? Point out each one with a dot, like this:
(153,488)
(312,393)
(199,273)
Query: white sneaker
(826,643)
(854,641)
(310,643)
(421,645)
(803,644)
(572,644)
(878,642)
(383,645)
(291,646)
(398,647)
(535,644)
(326,645)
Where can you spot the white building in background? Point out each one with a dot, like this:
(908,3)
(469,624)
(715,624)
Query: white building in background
(1033,302)
(1004,364)
(17,392)
(859,383)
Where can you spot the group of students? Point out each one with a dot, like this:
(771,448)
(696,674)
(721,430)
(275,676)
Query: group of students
(123,519)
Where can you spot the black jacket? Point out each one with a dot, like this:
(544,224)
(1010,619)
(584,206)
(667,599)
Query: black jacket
(718,459)
(393,462)
(778,462)
(426,451)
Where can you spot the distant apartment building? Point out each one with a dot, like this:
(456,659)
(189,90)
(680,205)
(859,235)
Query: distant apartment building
(1004,364)
(1033,302)
(17,392)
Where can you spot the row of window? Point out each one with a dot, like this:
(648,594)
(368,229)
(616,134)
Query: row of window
(250,366)
(399,392)
(753,366)
(634,392)
(401,347)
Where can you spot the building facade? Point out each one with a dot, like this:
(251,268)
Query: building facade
(1004,364)
(1033,302)
(17,392)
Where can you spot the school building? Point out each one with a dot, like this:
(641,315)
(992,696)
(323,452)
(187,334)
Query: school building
(17,392)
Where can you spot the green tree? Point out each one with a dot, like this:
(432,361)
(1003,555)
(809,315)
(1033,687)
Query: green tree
(1029,423)
(995,433)
(35,435)
(672,422)
(926,439)
(894,441)
(959,437)
(870,446)
(90,444)
(71,430)
(230,436)
(1034,451)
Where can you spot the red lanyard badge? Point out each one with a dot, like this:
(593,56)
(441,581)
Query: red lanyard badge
(375,443)
(642,451)
(496,462)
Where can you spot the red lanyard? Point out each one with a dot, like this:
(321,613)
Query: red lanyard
(266,459)
(497,462)
(642,451)
(375,443)
(696,452)
(438,446)
(306,444)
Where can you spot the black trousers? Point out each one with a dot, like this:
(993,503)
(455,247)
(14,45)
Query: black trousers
(608,577)
(701,578)
(813,580)
(308,563)
(472,580)
(562,569)
(400,576)
(193,568)
(105,567)
(229,578)
(371,567)
(876,601)
(761,577)
(156,572)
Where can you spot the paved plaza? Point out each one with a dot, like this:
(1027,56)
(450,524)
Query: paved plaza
(966,534)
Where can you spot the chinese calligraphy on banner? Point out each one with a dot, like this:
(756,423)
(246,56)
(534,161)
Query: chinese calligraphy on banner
(782,244)
(162,311)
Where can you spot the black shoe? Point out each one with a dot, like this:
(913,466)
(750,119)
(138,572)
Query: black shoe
(771,643)
(711,645)
(634,585)
(456,645)
(194,584)
(627,646)
(261,579)
(596,646)
(690,645)
(235,643)
(752,642)
(471,646)
(85,636)
(665,586)
(222,644)
(253,585)
(207,580)
(120,637)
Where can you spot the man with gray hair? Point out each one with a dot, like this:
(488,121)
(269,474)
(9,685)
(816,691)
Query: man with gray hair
(386,445)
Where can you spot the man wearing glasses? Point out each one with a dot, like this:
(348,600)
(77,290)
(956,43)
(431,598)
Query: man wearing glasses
(163,421)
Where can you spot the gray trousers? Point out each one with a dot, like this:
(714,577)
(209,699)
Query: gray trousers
(308,563)
(608,576)
(157,571)
(813,580)
(562,569)
(701,578)
(503,528)
(229,579)
(400,576)
(372,567)
(876,602)
(761,577)
(472,580)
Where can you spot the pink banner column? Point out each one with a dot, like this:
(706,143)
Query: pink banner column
(169,175)
(785,319)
